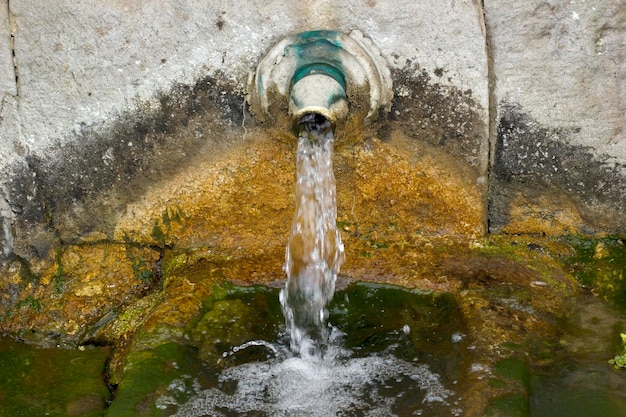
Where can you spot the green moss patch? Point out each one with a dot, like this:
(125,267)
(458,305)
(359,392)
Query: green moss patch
(600,264)
(51,382)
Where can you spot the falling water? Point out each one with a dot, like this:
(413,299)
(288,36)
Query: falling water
(314,251)
(318,375)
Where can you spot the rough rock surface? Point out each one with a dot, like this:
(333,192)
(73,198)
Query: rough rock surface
(85,288)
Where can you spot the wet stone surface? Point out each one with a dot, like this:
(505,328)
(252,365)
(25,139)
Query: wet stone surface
(75,192)
(440,115)
(86,288)
(198,141)
(129,252)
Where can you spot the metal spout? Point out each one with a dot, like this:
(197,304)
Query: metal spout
(321,72)
(318,93)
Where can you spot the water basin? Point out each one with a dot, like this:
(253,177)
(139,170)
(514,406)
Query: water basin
(392,351)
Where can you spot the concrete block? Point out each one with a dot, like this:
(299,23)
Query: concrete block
(559,72)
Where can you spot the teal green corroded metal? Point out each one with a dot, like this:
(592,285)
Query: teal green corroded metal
(320,68)
(318,52)
(321,71)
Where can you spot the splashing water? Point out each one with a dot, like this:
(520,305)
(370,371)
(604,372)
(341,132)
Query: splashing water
(314,251)
(376,386)
(381,365)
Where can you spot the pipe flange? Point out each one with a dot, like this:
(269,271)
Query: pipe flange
(351,60)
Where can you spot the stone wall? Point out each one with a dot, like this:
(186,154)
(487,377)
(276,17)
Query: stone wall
(559,138)
(101,101)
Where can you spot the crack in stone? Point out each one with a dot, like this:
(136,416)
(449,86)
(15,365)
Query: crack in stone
(13,31)
(7,212)
(493,105)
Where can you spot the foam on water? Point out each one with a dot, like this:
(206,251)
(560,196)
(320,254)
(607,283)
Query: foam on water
(380,385)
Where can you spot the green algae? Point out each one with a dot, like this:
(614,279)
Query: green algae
(159,375)
(165,366)
(509,405)
(514,369)
(157,372)
(173,263)
(29,302)
(162,228)
(513,377)
(416,326)
(497,383)
(368,312)
(51,382)
(141,270)
(600,264)
(147,375)
(236,317)
(59,279)
(574,390)
(576,380)
(619,361)
(577,403)
(158,234)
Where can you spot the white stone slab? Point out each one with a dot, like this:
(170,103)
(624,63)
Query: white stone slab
(8,87)
(81,63)
(564,63)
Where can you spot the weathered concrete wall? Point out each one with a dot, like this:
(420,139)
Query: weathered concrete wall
(79,64)
(9,121)
(112,98)
(105,89)
(559,71)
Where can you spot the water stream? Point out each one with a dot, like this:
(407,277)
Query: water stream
(314,251)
